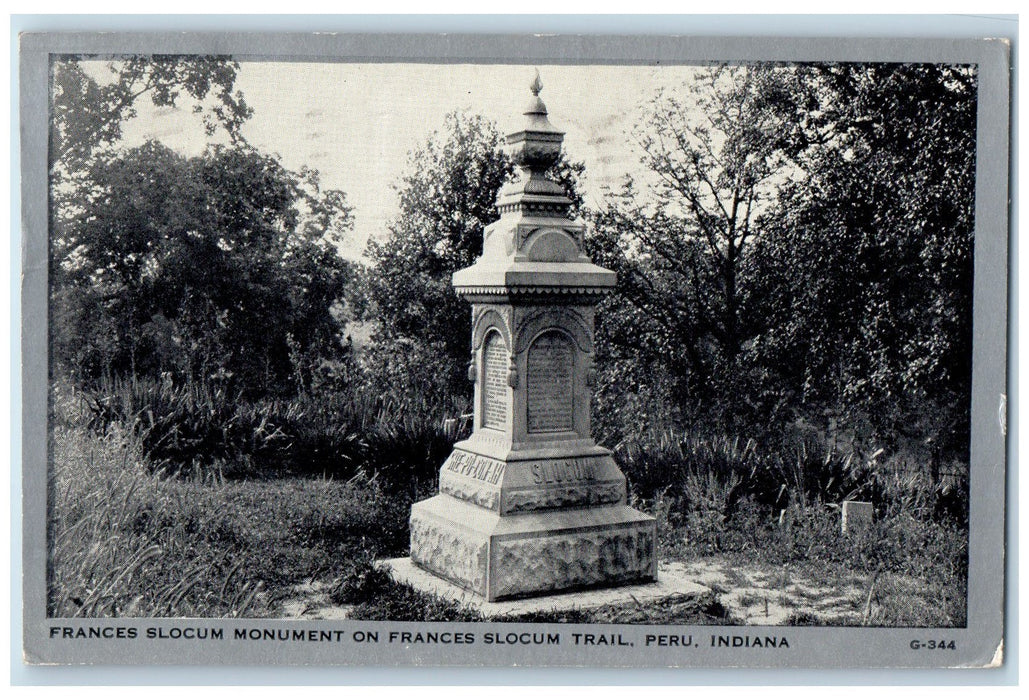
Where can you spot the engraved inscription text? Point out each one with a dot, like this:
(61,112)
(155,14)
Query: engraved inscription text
(549,384)
(559,471)
(475,466)
(494,386)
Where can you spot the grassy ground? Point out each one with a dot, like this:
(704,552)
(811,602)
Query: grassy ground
(131,542)
(910,572)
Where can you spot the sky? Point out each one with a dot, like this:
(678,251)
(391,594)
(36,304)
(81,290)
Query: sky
(357,123)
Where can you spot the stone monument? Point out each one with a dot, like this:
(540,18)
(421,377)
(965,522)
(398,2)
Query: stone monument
(529,504)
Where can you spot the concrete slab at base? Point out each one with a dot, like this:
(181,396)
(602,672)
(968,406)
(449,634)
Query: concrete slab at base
(668,585)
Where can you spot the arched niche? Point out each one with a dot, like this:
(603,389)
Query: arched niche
(494,392)
(571,322)
(551,245)
(489,320)
(550,382)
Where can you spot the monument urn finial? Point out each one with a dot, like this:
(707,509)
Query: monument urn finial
(537,145)
(537,84)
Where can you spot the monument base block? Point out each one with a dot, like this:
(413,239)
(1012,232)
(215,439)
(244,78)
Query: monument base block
(533,553)
(670,586)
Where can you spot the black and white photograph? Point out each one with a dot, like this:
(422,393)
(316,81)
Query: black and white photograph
(643,362)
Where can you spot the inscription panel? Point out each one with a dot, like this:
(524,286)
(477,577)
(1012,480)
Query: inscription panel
(549,384)
(494,386)
(475,466)
(558,471)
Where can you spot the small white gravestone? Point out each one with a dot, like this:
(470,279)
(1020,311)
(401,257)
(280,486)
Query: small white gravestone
(856,517)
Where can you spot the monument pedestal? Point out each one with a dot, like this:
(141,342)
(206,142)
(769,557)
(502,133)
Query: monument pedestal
(538,520)
(529,504)
(506,557)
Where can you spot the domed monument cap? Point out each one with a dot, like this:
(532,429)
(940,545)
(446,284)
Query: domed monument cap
(538,144)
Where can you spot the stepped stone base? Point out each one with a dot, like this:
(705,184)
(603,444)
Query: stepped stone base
(671,585)
(533,553)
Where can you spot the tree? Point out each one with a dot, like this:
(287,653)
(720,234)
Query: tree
(215,267)
(88,114)
(447,199)
(714,155)
(803,248)
(868,259)
(220,266)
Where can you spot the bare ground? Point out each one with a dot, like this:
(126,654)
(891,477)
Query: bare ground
(752,594)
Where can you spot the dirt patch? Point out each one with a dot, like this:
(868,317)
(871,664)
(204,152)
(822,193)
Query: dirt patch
(311,602)
(761,595)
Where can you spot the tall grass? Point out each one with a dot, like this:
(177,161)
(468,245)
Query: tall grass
(203,429)
(780,504)
(697,471)
(125,539)
(108,556)
(165,499)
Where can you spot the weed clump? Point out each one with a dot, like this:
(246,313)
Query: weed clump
(205,430)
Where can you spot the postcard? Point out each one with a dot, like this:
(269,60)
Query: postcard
(474,350)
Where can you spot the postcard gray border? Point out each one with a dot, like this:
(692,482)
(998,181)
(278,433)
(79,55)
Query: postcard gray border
(834,648)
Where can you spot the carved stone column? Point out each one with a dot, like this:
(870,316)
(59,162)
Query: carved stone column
(529,504)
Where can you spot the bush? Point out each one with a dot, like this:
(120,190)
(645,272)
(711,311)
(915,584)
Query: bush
(702,472)
(187,428)
(633,399)
(780,501)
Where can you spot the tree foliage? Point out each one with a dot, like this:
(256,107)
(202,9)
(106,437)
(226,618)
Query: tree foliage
(212,267)
(217,267)
(868,261)
(682,240)
(801,247)
(88,114)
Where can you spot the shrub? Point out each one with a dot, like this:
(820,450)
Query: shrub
(713,473)
(185,428)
